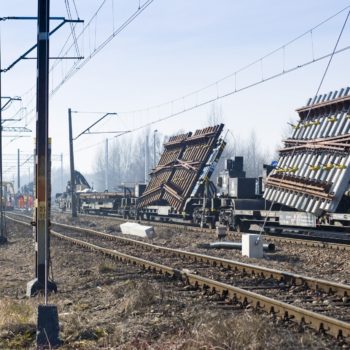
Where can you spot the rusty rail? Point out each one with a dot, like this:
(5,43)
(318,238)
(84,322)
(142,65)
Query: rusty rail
(311,283)
(296,279)
(312,319)
(272,238)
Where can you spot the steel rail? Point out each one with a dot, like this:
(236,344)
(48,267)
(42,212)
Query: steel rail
(298,241)
(318,322)
(309,243)
(283,276)
(296,279)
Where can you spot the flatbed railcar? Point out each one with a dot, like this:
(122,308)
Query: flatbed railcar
(108,203)
(308,188)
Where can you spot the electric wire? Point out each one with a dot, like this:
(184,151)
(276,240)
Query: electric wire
(76,9)
(249,65)
(283,47)
(72,28)
(218,97)
(82,63)
(264,79)
(77,65)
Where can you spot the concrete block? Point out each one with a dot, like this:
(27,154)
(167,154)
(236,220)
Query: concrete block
(252,246)
(47,334)
(135,229)
(34,287)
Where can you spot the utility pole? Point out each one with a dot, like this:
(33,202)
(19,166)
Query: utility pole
(146,159)
(47,327)
(106,168)
(71,152)
(42,6)
(3,238)
(71,157)
(62,189)
(18,171)
(154,148)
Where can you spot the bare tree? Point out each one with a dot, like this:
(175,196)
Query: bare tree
(254,156)
(286,133)
(215,116)
(126,160)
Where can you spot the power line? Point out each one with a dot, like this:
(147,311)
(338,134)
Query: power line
(259,61)
(218,97)
(72,28)
(216,84)
(232,92)
(96,50)
(214,99)
(77,65)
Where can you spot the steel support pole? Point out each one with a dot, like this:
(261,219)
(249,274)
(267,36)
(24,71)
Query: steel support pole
(18,171)
(61,158)
(71,157)
(106,167)
(47,333)
(42,180)
(2,216)
(154,149)
(146,159)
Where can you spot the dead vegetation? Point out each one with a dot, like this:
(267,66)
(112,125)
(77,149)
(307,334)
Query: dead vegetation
(136,297)
(106,267)
(17,323)
(246,331)
(206,330)
(76,330)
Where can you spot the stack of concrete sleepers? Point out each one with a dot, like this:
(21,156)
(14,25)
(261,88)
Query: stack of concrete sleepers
(180,166)
(313,170)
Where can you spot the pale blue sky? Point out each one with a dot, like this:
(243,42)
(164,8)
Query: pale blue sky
(173,48)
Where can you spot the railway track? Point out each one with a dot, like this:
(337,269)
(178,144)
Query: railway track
(308,241)
(278,290)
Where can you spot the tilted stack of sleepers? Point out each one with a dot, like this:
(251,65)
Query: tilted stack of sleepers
(180,166)
(313,171)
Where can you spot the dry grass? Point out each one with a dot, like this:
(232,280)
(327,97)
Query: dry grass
(16,312)
(214,331)
(78,334)
(107,267)
(136,297)
(247,331)
(17,324)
